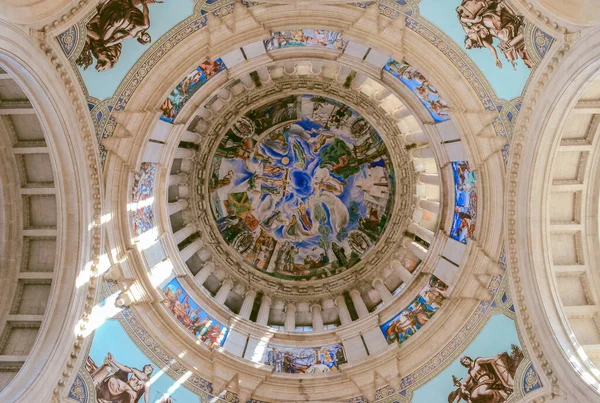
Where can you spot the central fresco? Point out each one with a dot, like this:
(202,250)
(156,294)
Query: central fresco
(302,187)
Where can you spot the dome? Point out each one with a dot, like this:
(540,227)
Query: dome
(284,201)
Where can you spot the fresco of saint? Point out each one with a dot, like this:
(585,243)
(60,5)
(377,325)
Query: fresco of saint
(192,317)
(465,210)
(421,87)
(411,319)
(305,360)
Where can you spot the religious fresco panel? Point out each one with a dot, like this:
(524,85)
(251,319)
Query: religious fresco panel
(305,360)
(306,37)
(465,211)
(142,208)
(421,87)
(188,87)
(192,316)
(411,319)
(302,187)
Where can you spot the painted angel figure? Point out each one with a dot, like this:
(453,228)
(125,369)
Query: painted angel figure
(486,20)
(126,385)
(114,22)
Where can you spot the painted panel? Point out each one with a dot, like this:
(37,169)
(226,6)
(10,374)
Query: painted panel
(421,87)
(484,372)
(308,360)
(188,87)
(192,317)
(302,187)
(122,373)
(411,319)
(142,209)
(306,37)
(494,35)
(116,34)
(465,211)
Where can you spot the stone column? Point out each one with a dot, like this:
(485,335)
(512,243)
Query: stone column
(182,234)
(183,191)
(290,317)
(359,80)
(317,318)
(190,137)
(263,74)
(289,67)
(224,94)
(181,152)
(223,292)
(247,81)
(421,232)
(382,94)
(359,304)
(264,310)
(248,304)
(416,137)
(205,254)
(402,272)
(343,312)
(316,67)
(418,250)
(425,152)
(176,207)
(177,179)
(203,274)
(381,288)
(400,114)
(429,179)
(429,205)
(187,252)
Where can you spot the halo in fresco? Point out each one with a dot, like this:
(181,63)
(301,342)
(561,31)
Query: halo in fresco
(302,187)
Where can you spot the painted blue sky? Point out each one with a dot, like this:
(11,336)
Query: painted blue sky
(506,82)
(111,337)
(103,84)
(497,336)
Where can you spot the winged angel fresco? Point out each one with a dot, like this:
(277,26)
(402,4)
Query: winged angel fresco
(114,22)
(485,21)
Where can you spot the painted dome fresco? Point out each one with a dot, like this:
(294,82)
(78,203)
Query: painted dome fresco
(301,187)
(282,201)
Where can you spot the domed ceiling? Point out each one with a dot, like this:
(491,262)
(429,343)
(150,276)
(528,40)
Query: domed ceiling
(303,202)
(301,187)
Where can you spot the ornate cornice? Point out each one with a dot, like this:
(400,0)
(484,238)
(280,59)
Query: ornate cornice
(88,137)
(512,236)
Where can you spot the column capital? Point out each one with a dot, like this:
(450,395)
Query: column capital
(266,300)
(209,266)
(354,293)
(316,305)
(377,281)
(290,306)
(250,293)
(339,299)
(227,282)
